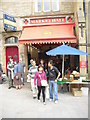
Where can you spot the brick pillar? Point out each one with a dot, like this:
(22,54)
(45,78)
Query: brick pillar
(82,38)
(83,70)
(23,55)
(82,42)
(2,53)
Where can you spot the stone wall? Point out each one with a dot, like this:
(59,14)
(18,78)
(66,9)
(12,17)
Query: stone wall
(22,9)
(26,8)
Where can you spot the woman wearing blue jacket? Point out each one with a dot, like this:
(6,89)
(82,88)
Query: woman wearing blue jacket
(17,77)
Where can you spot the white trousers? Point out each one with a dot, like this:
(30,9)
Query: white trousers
(47,92)
(33,88)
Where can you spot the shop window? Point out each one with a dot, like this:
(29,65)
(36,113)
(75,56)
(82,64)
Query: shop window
(55,5)
(46,5)
(38,6)
(11,40)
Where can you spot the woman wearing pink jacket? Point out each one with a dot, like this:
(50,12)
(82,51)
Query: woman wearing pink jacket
(39,76)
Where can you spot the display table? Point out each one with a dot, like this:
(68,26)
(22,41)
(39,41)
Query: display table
(61,82)
(72,84)
(76,85)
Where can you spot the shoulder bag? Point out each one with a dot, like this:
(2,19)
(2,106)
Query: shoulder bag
(43,82)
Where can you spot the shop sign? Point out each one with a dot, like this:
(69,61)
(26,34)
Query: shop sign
(28,21)
(47,33)
(83,64)
(53,20)
(9,23)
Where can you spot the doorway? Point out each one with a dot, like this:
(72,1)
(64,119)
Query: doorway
(11,52)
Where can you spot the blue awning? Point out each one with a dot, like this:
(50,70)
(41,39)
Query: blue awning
(65,50)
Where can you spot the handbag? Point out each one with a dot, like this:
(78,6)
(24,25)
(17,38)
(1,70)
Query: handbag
(17,77)
(43,82)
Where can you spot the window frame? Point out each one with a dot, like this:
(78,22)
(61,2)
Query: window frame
(44,7)
(36,6)
(11,40)
(58,4)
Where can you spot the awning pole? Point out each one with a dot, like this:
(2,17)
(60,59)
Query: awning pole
(63,68)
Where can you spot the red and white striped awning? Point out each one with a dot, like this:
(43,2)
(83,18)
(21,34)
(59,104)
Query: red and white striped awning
(48,34)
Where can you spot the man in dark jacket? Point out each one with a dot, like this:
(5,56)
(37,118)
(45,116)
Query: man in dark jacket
(53,74)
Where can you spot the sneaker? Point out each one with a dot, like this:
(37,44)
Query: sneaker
(44,103)
(9,88)
(50,100)
(34,97)
(38,100)
(56,102)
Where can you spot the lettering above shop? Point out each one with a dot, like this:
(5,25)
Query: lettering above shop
(67,19)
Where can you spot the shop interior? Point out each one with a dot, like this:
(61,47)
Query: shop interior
(38,52)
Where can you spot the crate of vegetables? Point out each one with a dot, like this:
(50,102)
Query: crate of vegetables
(77,93)
(74,89)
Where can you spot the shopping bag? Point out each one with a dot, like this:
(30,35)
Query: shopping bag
(43,83)
(17,77)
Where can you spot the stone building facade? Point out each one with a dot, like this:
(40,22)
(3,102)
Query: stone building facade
(28,9)
(87,14)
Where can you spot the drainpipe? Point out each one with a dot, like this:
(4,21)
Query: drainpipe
(86,42)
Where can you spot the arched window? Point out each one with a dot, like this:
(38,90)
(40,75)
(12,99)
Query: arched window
(11,40)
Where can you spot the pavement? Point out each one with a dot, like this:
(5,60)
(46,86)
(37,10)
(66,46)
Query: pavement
(20,104)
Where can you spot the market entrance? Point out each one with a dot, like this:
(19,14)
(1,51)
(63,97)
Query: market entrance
(38,52)
(41,37)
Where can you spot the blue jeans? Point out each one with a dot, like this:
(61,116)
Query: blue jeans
(52,85)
